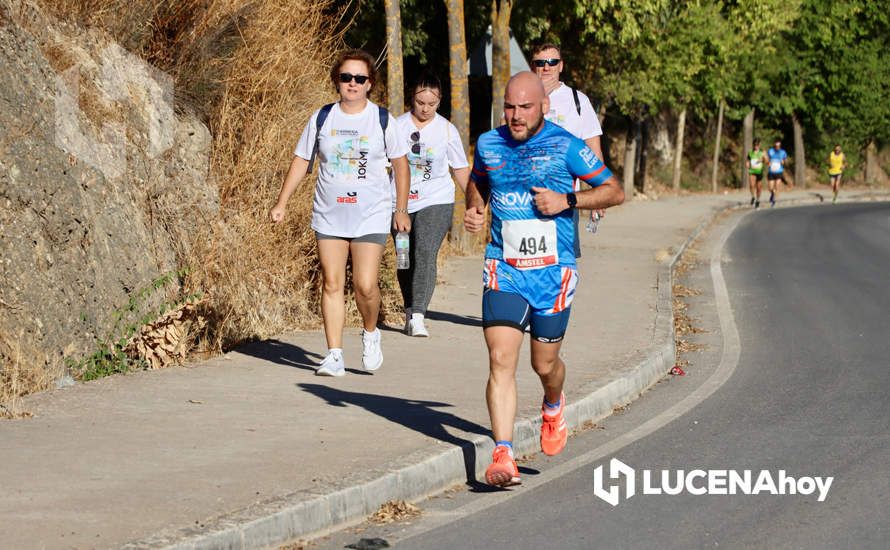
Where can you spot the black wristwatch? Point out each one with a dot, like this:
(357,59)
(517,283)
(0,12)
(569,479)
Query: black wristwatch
(572,200)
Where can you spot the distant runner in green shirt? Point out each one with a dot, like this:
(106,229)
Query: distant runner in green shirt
(754,163)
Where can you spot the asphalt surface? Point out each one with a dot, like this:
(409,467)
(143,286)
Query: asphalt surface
(807,394)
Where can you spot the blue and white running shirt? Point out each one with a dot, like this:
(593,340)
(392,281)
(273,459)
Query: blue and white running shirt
(775,160)
(507,169)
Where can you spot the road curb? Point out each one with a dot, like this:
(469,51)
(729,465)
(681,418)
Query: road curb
(304,515)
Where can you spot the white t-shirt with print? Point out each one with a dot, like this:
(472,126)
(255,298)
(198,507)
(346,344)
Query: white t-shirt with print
(429,157)
(353,196)
(564,113)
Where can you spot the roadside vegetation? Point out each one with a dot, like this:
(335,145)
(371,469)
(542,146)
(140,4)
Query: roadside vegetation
(810,72)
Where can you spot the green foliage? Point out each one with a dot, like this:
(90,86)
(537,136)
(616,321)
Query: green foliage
(824,61)
(109,357)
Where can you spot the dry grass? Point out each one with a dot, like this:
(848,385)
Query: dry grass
(22,371)
(394,510)
(684,325)
(262,279)
(256,70)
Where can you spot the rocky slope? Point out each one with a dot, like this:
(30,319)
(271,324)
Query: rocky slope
(102,184)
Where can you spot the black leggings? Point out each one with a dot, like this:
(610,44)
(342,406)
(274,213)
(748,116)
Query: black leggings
(428,228)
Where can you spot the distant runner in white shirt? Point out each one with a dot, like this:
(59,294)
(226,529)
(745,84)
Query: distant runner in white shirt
(434,145)
(352,210)
(569,108)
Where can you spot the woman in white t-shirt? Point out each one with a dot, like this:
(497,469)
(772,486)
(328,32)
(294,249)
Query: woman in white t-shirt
(353,207)
(434,145)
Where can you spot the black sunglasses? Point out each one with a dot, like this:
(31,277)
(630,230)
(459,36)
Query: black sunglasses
(359,78)
(553,62)
(415,147)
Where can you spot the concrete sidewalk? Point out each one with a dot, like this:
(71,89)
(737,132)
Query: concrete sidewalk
(251,449)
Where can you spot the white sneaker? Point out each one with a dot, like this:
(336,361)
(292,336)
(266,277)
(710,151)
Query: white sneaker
(372,354)
(333,365)
(416,326)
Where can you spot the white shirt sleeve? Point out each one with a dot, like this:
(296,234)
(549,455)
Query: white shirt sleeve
(457,157)
(589,121)
(396,145)
(307,139)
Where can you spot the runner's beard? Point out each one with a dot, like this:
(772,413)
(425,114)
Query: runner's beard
(530,129)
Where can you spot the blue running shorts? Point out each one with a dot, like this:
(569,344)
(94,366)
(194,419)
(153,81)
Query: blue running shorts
(538,299)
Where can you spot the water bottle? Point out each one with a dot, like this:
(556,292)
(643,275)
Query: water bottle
(402,244)
(593,221)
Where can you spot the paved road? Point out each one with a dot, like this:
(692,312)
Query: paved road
(810,295)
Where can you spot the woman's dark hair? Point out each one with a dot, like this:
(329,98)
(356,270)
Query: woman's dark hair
(357,55)
(427,79)
(756,142)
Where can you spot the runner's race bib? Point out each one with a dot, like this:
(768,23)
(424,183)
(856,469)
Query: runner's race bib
(530,244)
(775,166)
(756,163)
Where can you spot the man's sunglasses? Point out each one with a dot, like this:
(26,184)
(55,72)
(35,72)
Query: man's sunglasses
(541,62)
(345,78)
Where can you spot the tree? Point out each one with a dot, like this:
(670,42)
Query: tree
(678,149)
(457,48)
(500,56)
(841,51)
(752,61)
(690,49)
(629,80)
(394,74)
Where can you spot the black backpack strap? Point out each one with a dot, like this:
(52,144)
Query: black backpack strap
(577,101)
(383,113)
(319,122)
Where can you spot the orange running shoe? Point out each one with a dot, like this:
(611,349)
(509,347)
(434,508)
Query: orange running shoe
(554,431)
(503,471)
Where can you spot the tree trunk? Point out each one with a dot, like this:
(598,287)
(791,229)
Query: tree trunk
(394,73)
(748,143)
(870,163)
(678,153)
(500,56)
(642,154)
(800,159)
(460,91)
(460,101)
(630,154)
(716,167)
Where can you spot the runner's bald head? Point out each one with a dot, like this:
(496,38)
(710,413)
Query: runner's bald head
(525,103)
(526,83)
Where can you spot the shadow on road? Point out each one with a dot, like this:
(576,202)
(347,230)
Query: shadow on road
(470,321)
(421,416)
(396,324)
(282,353)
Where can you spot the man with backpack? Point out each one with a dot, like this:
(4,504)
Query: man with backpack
(570,109)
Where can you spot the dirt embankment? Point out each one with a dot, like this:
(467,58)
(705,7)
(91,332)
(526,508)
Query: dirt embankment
(107,181)
(102,184)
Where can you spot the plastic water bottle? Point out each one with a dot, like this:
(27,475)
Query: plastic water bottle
(402,245)
(593,221)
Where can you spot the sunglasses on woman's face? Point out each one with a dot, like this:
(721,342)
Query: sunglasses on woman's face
(553,62)
(345,78)
(415,145)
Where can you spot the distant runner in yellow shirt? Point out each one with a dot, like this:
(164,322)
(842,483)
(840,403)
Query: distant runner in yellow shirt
(837,163)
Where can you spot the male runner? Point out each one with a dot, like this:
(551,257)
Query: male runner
(837,163)
(754,162)
(777,157)
(569,108)
(526,170)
